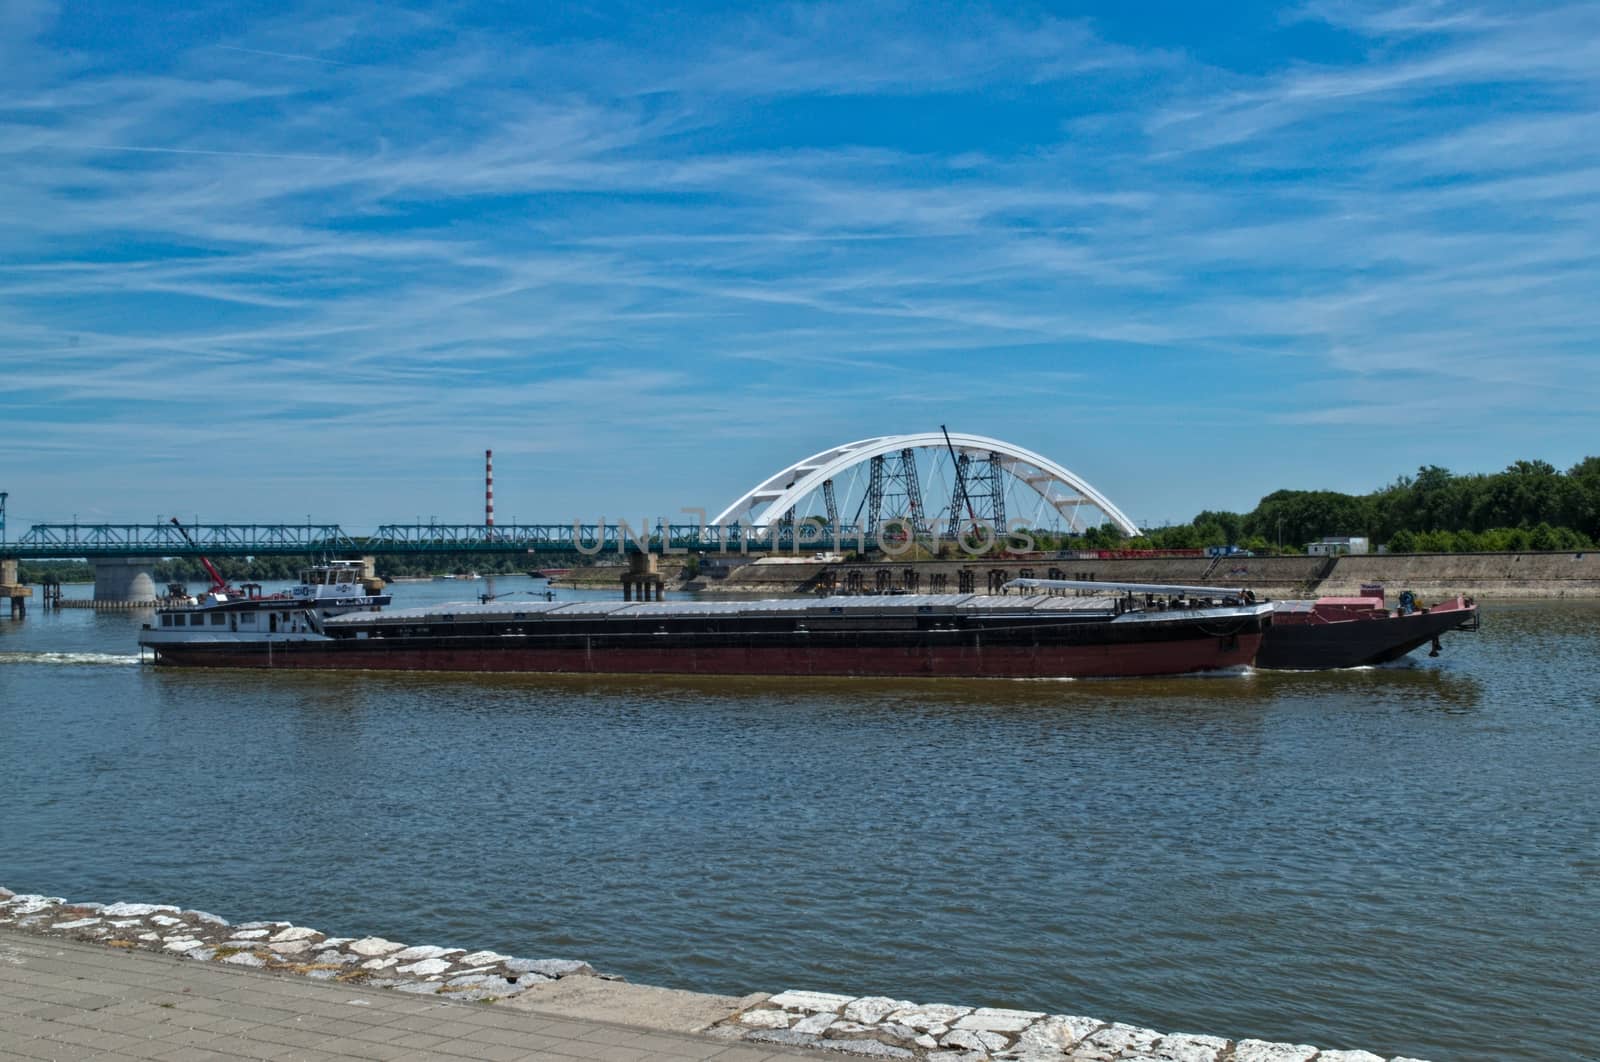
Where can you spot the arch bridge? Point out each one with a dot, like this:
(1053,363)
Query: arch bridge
(928,480)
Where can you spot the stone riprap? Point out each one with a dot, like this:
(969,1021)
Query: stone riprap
(452,973)
(872,1026)
(882,1027)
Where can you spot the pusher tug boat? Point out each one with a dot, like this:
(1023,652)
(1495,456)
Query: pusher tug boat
(1328,632)
(943,635)
(324,590)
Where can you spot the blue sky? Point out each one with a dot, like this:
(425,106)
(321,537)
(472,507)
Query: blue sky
(261,262)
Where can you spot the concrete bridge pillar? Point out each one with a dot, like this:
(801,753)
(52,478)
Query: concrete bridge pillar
(644,572)
(12,592)
(125,579)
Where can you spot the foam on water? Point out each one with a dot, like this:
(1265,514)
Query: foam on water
(81,659)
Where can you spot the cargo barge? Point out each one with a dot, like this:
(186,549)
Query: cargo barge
(946,635)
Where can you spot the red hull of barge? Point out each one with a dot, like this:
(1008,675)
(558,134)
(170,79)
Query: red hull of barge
(1099,661)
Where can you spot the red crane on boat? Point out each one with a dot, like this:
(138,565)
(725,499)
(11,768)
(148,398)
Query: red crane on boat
(219,585)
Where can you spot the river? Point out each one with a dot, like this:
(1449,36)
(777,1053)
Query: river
(1403,859)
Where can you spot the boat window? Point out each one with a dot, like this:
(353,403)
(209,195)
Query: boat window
(250,619)
(197,620)
(218,619)
(347,577)
(166,621)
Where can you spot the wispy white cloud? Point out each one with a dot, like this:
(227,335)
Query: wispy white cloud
(363,242)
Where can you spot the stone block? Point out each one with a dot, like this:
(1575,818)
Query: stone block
(811,1001)
(993,1019)
(1189,1047)
(482,958)
(873,1009)
(927,1015)
(1267,1051)
(373,946)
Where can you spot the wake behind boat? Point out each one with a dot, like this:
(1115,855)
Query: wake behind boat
(955,635)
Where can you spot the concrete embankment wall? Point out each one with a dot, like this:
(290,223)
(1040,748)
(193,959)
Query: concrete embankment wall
(1430,575)
(1435,575)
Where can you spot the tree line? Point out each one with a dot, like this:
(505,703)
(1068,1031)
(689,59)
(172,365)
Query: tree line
(1530,506)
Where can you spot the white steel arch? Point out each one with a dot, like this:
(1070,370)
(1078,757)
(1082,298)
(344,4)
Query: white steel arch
(1064,490)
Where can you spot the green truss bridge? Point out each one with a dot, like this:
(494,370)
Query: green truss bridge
(108,541)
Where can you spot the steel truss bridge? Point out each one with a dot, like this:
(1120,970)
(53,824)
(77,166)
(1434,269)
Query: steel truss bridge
(871,492)
(90,541)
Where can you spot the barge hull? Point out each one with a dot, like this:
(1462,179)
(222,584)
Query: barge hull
(1356,642)
(1177,656)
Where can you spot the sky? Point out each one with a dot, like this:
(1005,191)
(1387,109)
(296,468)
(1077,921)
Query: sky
(268,263)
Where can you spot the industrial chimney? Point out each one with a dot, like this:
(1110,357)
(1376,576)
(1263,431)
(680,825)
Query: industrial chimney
(488,488)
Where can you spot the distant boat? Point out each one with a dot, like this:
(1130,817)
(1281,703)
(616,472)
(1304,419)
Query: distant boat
(554,573)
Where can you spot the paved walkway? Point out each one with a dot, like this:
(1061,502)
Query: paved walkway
(64,1000)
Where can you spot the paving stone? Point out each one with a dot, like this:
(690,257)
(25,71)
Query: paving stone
(425,967)
(205,916)
(1047,1034)
(873,1009)
(421,988)
(927,1015)
(149,938)
(811,1001)
(290,947)
(79,924)
(136,910)
(994,1020)
(182,944)
(165,921)
(370,946)
(336,942)
(378,964)
(482,958)
(1121,1037)
(974,1040)
(322,975)
(552,968)
(332,956)
(244,958)
(1267,1051)
(1079,1026)
(424,951)
(814,1024)
(201,954)
(1189,1047)
(295,933)
(765,1018)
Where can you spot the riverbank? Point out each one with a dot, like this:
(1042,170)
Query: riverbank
(872,1026)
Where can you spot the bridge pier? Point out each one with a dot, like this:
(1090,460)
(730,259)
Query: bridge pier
(123,579)
(12,591)
(643,572)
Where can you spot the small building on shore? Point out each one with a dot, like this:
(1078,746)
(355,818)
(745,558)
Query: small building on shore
(1338,545)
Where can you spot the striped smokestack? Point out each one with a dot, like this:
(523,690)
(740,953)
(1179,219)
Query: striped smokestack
(488,488)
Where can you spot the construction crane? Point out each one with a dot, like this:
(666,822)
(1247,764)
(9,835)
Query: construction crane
(218,583)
